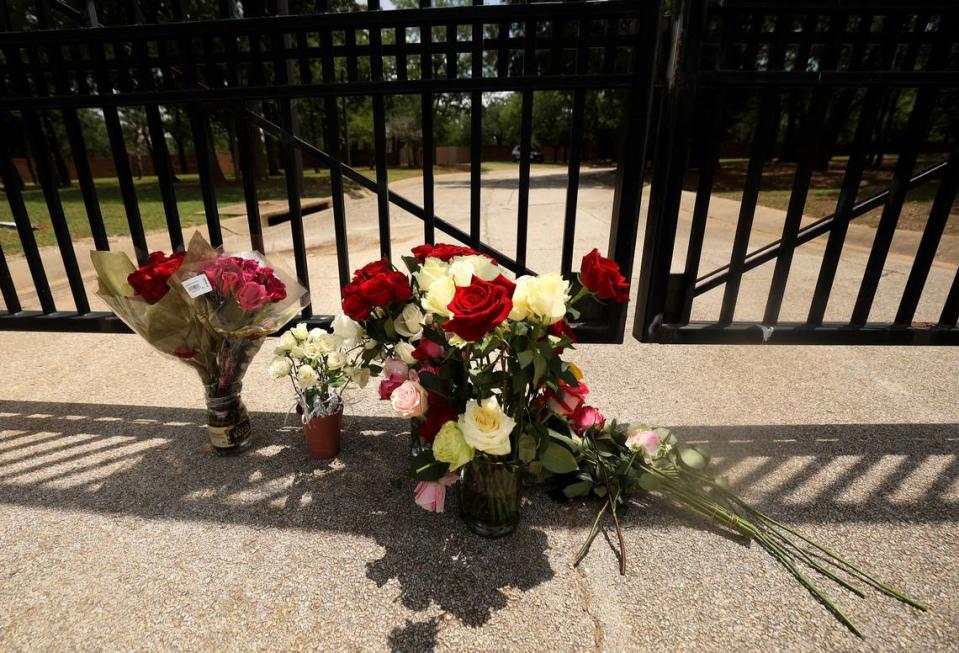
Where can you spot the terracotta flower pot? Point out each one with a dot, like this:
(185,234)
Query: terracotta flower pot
(323,435)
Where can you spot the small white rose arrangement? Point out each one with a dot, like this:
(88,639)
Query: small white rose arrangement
(321,365)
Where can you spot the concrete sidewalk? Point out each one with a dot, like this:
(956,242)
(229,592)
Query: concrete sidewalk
(121,530)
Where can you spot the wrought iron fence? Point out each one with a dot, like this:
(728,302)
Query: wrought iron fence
(834,55)
(233,62)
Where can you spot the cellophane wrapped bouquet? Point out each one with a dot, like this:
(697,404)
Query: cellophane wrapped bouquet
(210,309)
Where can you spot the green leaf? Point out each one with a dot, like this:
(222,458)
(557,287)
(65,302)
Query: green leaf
(412,263)
(557,459)
(580,489)
(525,358)
(526,448)
(539,368)
(600,491)
(694,457)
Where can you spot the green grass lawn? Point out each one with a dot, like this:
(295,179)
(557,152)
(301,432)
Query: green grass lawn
(189,203)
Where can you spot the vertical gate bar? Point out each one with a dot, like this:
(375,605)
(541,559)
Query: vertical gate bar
(575,151)
(950,311)
(401,63)
(25,230)
(292,157)
(868,116)
(931,236)
(476,133)
(78,150)
(802,177)
(41,157)
(917,130)
(761,141)
(916,133)
(704,185)
(572,181)
(332,138)
(525,143)
(688,29)
(9,291)
(379,136)
(627,201)
(352,70)
(452,56)
(158,151)
(426,112)
(502,52)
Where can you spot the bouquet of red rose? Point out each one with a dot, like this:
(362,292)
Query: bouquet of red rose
(210,310)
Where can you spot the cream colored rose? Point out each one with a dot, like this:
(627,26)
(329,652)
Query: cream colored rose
(439,296)
(483,267)
(335,360)
(432,270)
(520,310)
(306,376)
(297,353)
(300,332)
(347,330)
(405,351)
(311,350)
(409,323)
(462,271)
(449,446)
(486,427)
(280,367)
(544,298)
(286,344)
(358,375)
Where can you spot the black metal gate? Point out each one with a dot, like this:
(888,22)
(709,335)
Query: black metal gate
(848,66)
(279,52)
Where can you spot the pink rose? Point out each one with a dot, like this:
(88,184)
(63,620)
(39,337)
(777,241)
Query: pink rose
(431,496)
(645,440)
(587,417)
(409,400)
(228,282)
(251,296)
(387,386)
(567,399)
(395,368)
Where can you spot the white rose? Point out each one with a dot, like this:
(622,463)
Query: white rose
(286,344)
(297,353)
(335,360)
(347,330)
(409,323)
(300,332)
(546,297)
(306,376)
(312,350)
(462,271)
(405,351)
(440,295)
(483,267)
(486,427)
(358,375)
(432,270)
(520,310)
(280,367)
(327,343)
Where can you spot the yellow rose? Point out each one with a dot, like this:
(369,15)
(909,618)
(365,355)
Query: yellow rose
(449,446)
(486,427)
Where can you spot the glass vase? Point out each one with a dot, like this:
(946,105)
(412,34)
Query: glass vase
(489,497)
(227,421)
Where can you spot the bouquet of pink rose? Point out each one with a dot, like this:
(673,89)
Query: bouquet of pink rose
(220,311)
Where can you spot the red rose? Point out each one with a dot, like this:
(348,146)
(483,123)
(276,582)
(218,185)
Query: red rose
(387,386)
(372,269)
(505,284)
(438,413)
(354,305)
(585,418)
(562,329)
(568,399)
(150,280)
(602,277)
(478,309)
(422,252)
(275,289)
(426,350)
(443,252)
(401,286)
(377,291)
